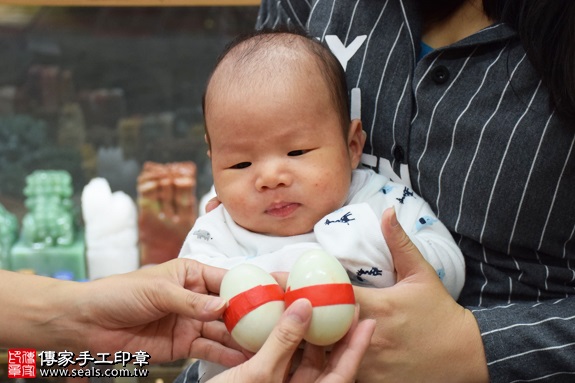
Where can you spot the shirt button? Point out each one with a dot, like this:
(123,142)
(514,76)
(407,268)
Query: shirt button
(440,75)
(398,153)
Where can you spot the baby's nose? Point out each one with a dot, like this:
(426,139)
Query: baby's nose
(272,175)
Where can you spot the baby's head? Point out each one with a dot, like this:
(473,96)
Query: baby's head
(280,138)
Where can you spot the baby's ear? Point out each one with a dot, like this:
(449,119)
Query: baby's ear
(356,141)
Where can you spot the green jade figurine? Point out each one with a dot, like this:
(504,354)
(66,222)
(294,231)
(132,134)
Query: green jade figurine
(8,234)
(50,242)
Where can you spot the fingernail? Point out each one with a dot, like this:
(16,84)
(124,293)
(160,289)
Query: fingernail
(215,304)
(394,221)
(300,310)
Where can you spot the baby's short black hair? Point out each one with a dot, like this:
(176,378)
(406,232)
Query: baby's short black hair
(260,41)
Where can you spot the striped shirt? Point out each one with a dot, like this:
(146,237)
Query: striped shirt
(471,128)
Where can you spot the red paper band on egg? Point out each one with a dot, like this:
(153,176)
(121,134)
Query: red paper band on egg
(249,300)
(323,295)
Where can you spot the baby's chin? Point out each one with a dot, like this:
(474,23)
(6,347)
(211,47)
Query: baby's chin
(285,230)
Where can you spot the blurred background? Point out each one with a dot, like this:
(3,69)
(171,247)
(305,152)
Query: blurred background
(97,91)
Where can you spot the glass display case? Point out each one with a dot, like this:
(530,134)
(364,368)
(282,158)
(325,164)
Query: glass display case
(108,93)
(99,92)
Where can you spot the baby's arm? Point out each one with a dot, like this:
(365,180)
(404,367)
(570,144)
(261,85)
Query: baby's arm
(434,242)
(353,235)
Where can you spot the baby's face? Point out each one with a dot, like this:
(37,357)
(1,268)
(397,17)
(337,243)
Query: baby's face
(280,160)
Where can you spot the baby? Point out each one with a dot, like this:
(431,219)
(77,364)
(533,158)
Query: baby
(285,156)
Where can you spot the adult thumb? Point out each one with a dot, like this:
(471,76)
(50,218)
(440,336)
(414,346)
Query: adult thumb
(406,256)
(203,307)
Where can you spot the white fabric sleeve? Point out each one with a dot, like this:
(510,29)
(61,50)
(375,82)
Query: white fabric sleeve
(352,234)
(361,248)
(204,245)
(432,239)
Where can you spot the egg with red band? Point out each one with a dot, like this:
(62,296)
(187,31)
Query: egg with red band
(320,278)
(255,304)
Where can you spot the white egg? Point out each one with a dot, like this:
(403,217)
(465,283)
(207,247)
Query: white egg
(320,278)
(251,286)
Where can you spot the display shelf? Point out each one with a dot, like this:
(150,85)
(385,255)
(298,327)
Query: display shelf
(99,91)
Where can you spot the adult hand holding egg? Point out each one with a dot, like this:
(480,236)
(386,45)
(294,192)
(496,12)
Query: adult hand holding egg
(271,362)
(320,309)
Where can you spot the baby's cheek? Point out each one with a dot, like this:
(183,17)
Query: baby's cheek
(334,188)
(238,205)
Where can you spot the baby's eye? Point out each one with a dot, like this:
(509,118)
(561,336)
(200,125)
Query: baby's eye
(241,165)
(295,153)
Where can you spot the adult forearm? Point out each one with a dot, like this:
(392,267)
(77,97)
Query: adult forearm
(37,311)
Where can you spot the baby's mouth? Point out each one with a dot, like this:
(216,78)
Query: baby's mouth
(282,209)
